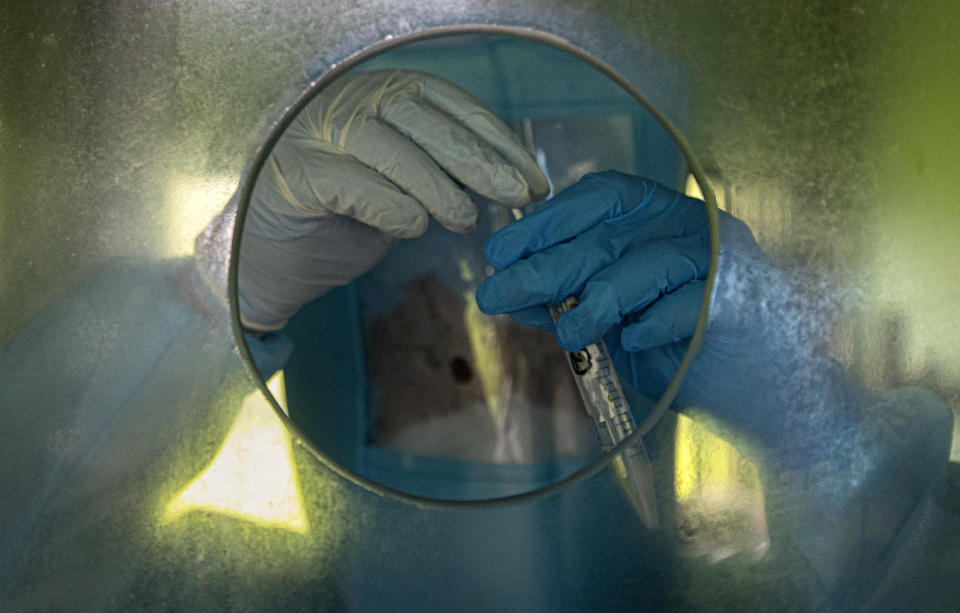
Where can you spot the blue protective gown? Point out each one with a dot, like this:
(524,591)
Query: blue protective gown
(121,389)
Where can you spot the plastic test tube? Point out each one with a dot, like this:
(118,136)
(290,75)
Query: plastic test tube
(606,405)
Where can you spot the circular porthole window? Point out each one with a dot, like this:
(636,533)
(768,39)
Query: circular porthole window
(360,234)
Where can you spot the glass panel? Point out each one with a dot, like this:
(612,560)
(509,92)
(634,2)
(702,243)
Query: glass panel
(830,129)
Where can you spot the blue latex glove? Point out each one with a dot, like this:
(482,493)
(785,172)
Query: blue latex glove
(636,254)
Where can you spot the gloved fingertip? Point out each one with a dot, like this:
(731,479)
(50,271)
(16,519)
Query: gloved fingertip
(412,227)
(539,194)
(537,316)
(521,200)
(487,300)
(512,189)
(492,251)
(502,249)
(461,216)
(569,335)
(466,228)
(539,186)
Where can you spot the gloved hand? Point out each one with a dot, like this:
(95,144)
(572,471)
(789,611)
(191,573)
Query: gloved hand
(636,254)
(371,158)
(832,455)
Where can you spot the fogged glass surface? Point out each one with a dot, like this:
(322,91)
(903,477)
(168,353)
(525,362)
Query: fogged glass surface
(140,469)
(435,386)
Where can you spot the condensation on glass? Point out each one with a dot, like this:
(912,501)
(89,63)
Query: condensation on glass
(133,441)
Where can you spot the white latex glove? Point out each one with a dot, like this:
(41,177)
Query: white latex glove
(371,158)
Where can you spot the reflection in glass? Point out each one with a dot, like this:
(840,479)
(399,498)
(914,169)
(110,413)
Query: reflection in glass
(252,476)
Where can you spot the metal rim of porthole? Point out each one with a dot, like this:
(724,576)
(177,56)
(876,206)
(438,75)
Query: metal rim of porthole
(246,191)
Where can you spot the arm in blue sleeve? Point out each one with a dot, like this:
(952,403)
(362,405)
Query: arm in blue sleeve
(845,468)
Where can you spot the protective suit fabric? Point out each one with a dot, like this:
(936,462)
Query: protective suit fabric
(94,435)
(128,425)
(932,536)
(80,540)
(852,518)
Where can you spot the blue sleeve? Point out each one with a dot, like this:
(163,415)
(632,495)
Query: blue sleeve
(96,391)
(895,545)
(922,569)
